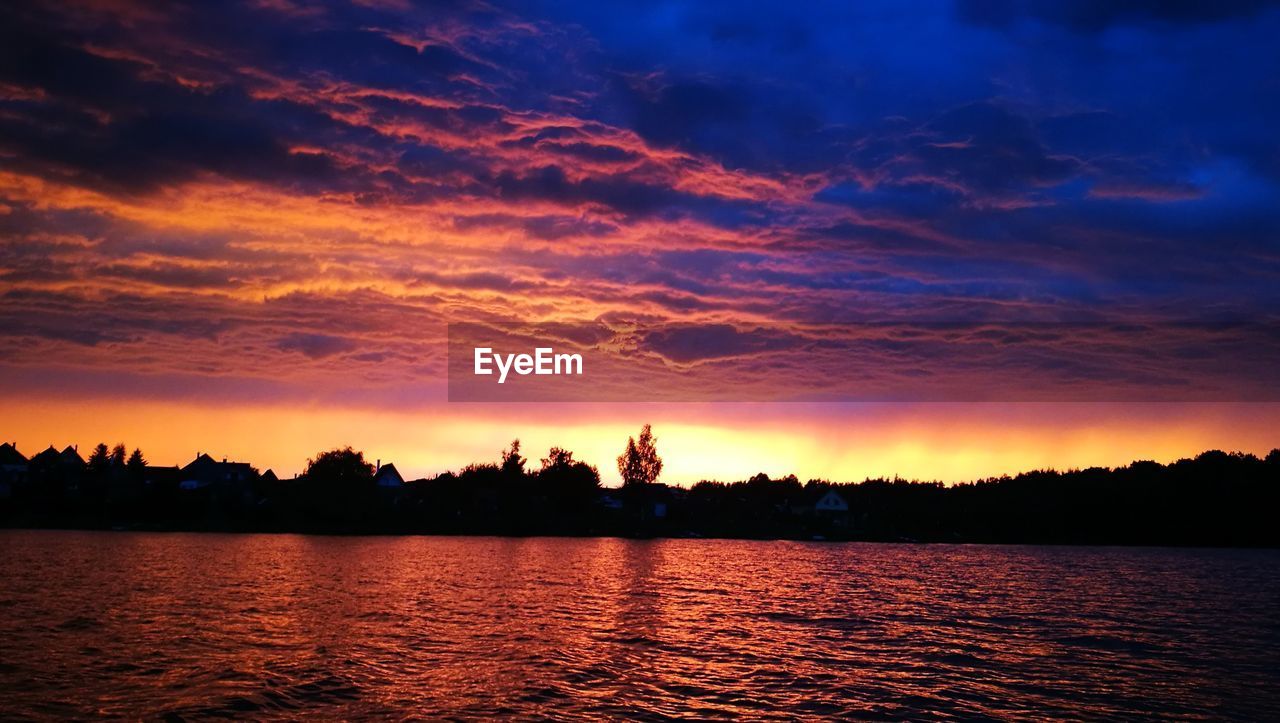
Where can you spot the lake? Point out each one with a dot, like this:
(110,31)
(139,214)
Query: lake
(205,625)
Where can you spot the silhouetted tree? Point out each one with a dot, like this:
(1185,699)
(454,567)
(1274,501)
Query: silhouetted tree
(570,484)
(339,467)
(1214,498)
(100,459)
(137,464)
(118,454)
(512,463)
(338,494)
(639,463)
(557,457)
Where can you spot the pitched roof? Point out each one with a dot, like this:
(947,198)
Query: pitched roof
(9,454)
(46,457)
(71,455)
(204,459)
(387,474)
(51,458)
(831,499)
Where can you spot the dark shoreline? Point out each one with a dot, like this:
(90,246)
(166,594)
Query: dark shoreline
(1216,499)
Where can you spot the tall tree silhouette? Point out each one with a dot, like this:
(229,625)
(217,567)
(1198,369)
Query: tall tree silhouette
(639,463)
(100,459)
(118,455)
(137,464)
(512,462)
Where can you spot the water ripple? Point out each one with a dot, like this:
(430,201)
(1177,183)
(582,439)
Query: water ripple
(197,627)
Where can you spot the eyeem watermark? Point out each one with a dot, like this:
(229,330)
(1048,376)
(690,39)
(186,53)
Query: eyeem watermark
(543,361)
(985,361)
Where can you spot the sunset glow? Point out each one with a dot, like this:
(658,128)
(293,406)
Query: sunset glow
(947,442)
(244,231)
(592,360)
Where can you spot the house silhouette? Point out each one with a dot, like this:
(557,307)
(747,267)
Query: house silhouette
(204,471)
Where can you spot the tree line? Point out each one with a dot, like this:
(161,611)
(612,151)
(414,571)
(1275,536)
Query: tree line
(1216,498)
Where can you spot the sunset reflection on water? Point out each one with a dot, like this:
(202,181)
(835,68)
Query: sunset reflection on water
(280,626)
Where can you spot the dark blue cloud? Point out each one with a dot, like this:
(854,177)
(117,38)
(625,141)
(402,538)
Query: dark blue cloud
(1098,15)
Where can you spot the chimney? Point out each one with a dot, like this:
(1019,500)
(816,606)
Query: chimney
(379,467)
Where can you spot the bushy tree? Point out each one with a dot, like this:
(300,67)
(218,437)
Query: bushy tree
(557,457)
(639,463)
(566,480)
(338,492)
(339,467)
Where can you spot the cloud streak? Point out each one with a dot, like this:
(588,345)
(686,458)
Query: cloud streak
(308,198)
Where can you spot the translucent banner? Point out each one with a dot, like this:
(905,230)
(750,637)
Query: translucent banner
(630,361)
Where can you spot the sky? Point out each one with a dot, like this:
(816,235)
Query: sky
(244,228)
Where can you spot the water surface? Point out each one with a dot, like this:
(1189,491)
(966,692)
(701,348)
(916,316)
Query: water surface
(201,625)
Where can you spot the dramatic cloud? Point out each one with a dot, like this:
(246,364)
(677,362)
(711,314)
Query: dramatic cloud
(306,195)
